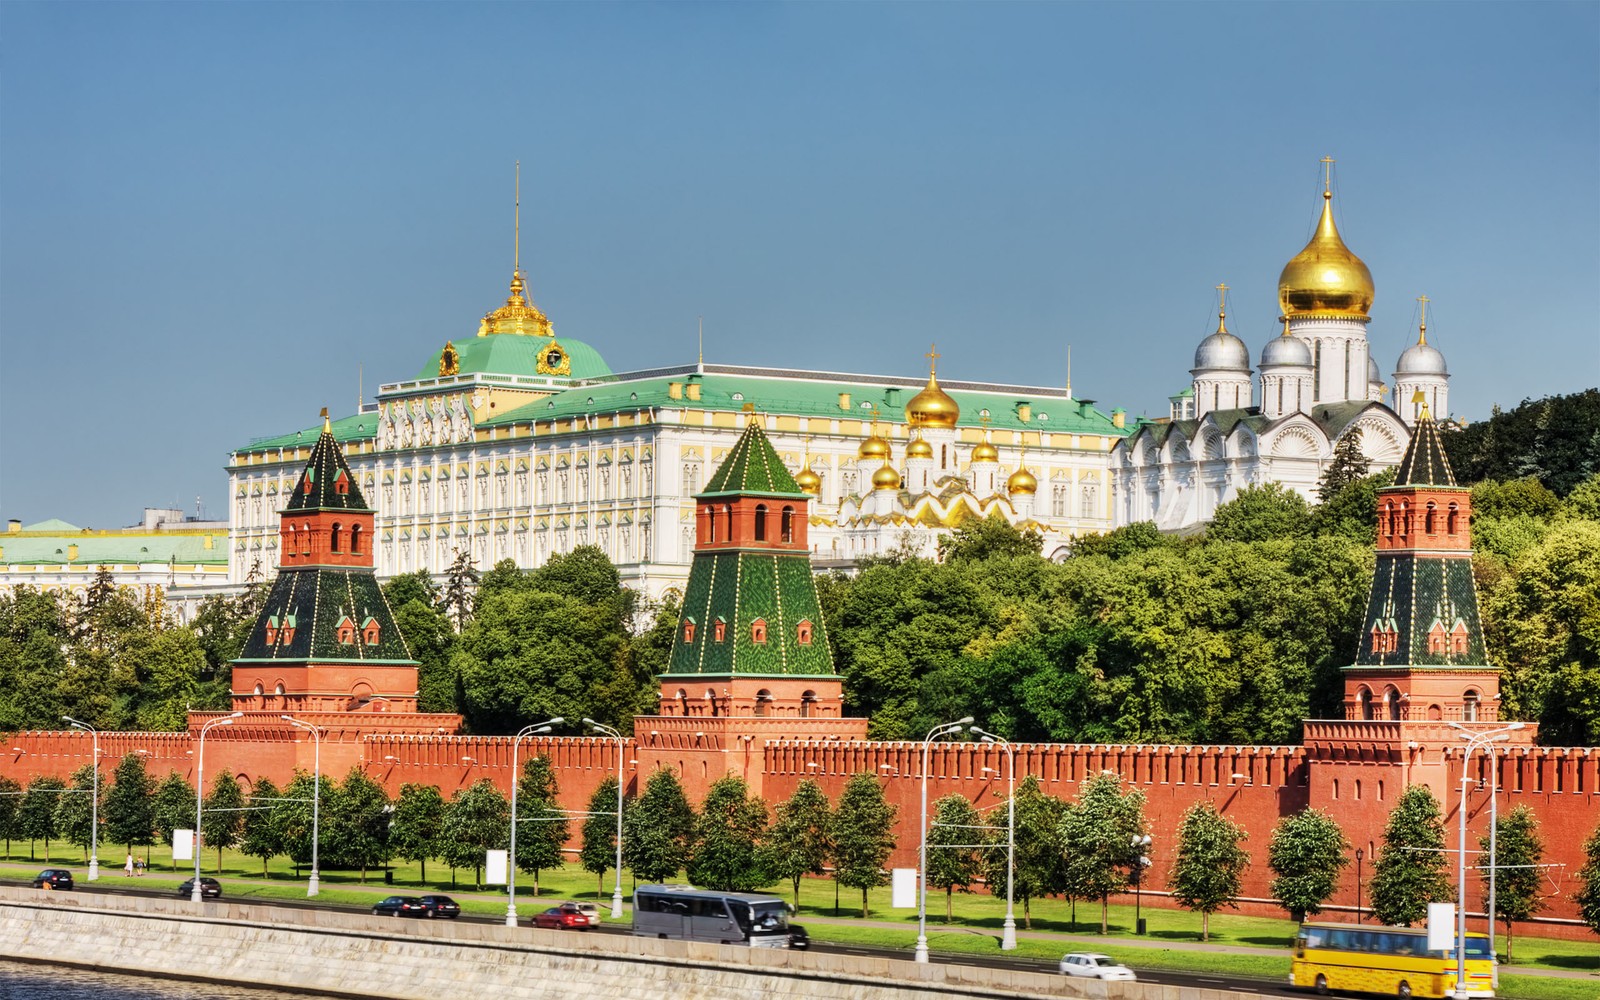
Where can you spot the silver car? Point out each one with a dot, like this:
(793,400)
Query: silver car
(1092,966)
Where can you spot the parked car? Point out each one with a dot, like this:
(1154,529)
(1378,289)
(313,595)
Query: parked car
(399,906)
(440,906)
(567,915)
(1093,966)
(53,878)
(590,911)
(210,888)
(798,938)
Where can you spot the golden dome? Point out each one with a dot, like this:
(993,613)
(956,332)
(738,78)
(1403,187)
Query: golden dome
(808,481)
(1325,279)
(918,448)
(874,447)
(518,315)
(1022,481)
(986,452)
(932,407)
(886,478)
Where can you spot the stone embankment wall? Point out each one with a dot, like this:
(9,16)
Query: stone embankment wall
(363,956)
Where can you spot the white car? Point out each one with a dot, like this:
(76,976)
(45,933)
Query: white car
(1092,966)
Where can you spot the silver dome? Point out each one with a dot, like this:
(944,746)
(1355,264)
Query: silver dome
(1222,350)
(1373,374)
(1421,359)
(1286,351)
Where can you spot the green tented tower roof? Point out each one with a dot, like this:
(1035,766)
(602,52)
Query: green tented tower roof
(753,467)
(326,482)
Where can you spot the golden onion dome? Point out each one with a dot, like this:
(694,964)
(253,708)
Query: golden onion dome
(986,452)
(875,446)
(1022,481)
(932,407)
(918,448)
(886,478)
(1325,279)
(808,481)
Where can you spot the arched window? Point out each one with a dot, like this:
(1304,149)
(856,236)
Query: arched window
(355,539)
(803,633)
(1435,714)
(711,699)
(788,523)
(305,541)
(1469,706)
(259,689)
(1391,698)
(719,630)
(683,702)
(761,522)
(730,522)
(808,702)
(1386,520)
(1428,521)
(758,630)
(688,630)
(711,524)
(1451,519)
(333,536)
(763,700)
(278,689)
(290,550)
(1365,697)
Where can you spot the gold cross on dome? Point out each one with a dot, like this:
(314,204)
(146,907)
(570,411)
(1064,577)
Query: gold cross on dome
(1222,292)
(1327,173)
(933,357)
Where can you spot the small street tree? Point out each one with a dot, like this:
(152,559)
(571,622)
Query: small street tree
(659,829)
(36,818)
(955,858)
(259,838)
(1096,831)
(1588,895)
(10,810)
(356,829)
(293,816)
(130,805)
(75,810)
(800,841)
(599,849)
(1518,851)
(418,819)
(172,807)
(1040,860)
(1209,869)
(222,820)
(541,825)
(863,836)
(728,839)
(477,821)
(1306,856)
(1411,868)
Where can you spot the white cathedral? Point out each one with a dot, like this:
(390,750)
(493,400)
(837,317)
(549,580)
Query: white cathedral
(1319,384)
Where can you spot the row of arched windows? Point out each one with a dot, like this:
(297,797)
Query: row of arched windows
(762,518)
(808,702)
(1401,519)
(758,631)
(336,539)
(1389,706)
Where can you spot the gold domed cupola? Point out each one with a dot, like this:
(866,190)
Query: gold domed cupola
(1022,481)
(1326,279)
(886,478)
(876,446)
(808,481)
(985,452)
(932,407)
(919,448)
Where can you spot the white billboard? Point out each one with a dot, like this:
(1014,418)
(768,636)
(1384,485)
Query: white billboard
(1441,926)
(905,889)
(495,868)
(183,845)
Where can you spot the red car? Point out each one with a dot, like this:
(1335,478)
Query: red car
(560,917)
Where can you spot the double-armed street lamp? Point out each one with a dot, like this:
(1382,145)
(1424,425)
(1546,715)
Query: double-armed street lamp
(516,779)
(312,884)
(1485,739)
(945,729)
(616,894)
(1141,861)
(94,797)
(199,795)
(1008,934)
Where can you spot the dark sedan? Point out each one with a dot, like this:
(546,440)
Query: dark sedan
(210,888)
(399,906)
(562,918)
(440,906)
(798,938)
(53,878)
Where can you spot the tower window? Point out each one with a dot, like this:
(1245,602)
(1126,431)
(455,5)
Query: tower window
(355,539)
(803,633)
(341,485)
(1428,520)
(688,630)
(1469,706)
(763,699)
(333,537)
(1391,697)
(346,631)
(719,630)
(808,703)
(711,524)
(761,522)
(1451,519)
(1365,698)
(787,526)
(758,630)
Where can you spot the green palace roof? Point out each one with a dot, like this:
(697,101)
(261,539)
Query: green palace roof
(30,547)
(518,354)
(357,427)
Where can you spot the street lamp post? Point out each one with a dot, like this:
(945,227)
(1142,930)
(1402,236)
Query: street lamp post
(921,954)
(94,798)
(616,894)
(516,779)
(1473,740)
(1141,860)
(1359,855)
(313,884)
(1008,934)
(199,795)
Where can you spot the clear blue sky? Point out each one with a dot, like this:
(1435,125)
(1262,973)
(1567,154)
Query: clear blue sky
(213,215)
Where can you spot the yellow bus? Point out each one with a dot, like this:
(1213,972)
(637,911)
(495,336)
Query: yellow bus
(1387,960)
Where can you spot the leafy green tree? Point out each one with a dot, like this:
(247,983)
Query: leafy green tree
(1040,857)
(417,585)
(10,810)
(222,820)
(419,815)
(259,838)
(1097,830)
(729,839)
(503,575)
(1349,464)
(1555,439)
(169,673)
(75,810)
(33,637)
(1411,868)
(863,836)
(130,805)
(658,830)
(431,639)
(37,816)
(1519,850)
(460,588)
(990,537)
(1306,856)
(356,829)
(955,860)
(599,850)
(1209,869)
(587,575)
(172,807)
(1588,894)
(1261,513)
(1128,540)
(294,818)
(800,841)
(541,825)
(477,821)
(1352,510)
(1583,503)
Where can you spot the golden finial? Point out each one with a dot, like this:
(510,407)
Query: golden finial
(1422,329)
(327,425)
(700,363)
(1222,308)
(1286,326)
(933,357)
(1069,377)
(516,225)
(1327,176)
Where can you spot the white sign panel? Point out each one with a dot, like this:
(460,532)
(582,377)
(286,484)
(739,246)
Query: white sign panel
(905,889)
(1441,926)
(183,845)
(495,868)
